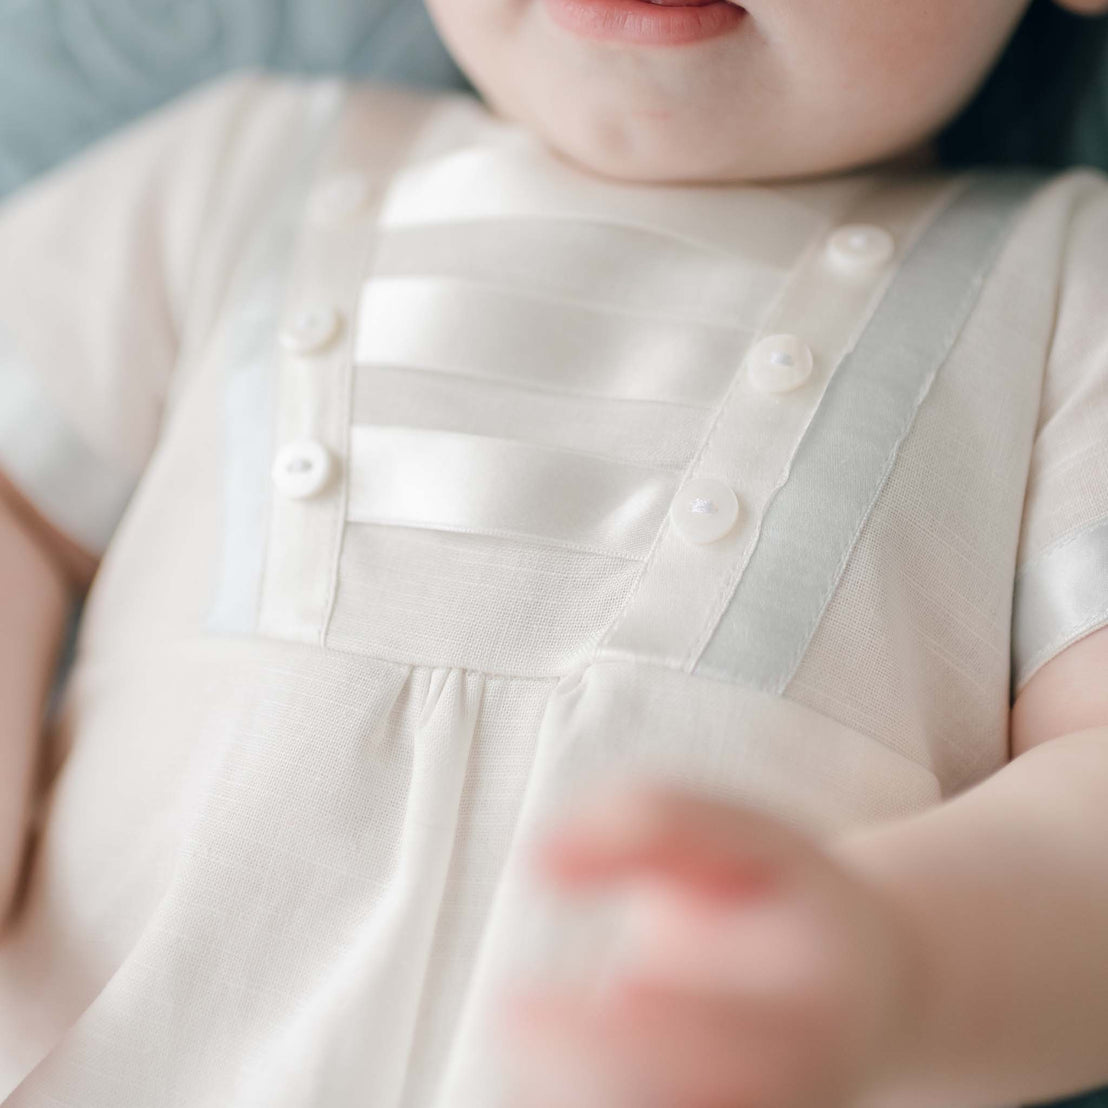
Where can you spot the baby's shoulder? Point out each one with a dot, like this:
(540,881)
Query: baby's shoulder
(1074,205)
(263,116)
(330,134)
(258,96)
(1083,180)
(253,129)
(1088,230)
(1055,251)
(1077,200)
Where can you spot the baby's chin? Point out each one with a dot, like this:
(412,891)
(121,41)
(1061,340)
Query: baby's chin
(624,148)
(638,151)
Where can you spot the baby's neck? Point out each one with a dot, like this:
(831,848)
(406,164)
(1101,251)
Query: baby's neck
(919,158)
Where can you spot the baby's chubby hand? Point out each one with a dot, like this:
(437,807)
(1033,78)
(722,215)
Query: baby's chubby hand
(756,971)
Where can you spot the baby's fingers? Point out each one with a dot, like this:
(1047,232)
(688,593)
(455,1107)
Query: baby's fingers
(646,1047)
(716,849)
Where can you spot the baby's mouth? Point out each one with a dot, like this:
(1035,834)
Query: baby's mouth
(653,23)
(690,3)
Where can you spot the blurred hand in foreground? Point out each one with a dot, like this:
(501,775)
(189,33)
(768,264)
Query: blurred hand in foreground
(755,970)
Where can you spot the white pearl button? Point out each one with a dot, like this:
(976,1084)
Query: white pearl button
(704,511)
(860,248)
(311,331)
(340,199)
(780,363)
(302,469)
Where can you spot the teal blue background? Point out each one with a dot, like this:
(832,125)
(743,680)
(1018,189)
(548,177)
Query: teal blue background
(71,71)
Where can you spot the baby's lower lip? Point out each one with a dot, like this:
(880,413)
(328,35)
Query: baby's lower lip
(647,22)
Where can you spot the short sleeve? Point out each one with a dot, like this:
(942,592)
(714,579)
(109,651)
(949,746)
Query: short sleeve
(1061,592)
(99,266)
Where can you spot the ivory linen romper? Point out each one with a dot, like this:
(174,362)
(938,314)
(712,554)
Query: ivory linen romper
(444,482)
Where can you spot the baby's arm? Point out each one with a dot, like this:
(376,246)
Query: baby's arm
(38,569)
(955,959)
(1009,886)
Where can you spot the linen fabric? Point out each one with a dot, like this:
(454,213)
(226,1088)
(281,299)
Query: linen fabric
(280,854)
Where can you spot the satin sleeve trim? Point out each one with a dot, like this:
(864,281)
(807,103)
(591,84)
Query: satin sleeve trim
(72,487)
(1060,597)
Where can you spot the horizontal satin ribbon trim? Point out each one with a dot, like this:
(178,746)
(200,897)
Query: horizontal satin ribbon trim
(444,481)
(79,492)
(1060,597)
(618,269)
(476,331)
(524,181)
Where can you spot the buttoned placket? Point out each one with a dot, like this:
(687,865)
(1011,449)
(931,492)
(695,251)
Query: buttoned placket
(311,461)
(713,524)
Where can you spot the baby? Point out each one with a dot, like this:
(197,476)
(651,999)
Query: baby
(600,594)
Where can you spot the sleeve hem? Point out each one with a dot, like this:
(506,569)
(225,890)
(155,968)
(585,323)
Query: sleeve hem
(74,489)
(1060,597)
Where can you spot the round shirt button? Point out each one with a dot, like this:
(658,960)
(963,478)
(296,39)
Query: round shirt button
(302,469)
(860,248)
(704,511)
(342,198)
(311,331)
(780,363)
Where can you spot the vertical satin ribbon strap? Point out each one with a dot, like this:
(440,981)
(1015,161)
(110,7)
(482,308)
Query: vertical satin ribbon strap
(1060,597)
(849,450)
(447,481)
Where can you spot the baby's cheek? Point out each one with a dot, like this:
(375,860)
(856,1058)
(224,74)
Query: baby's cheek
(891,63)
